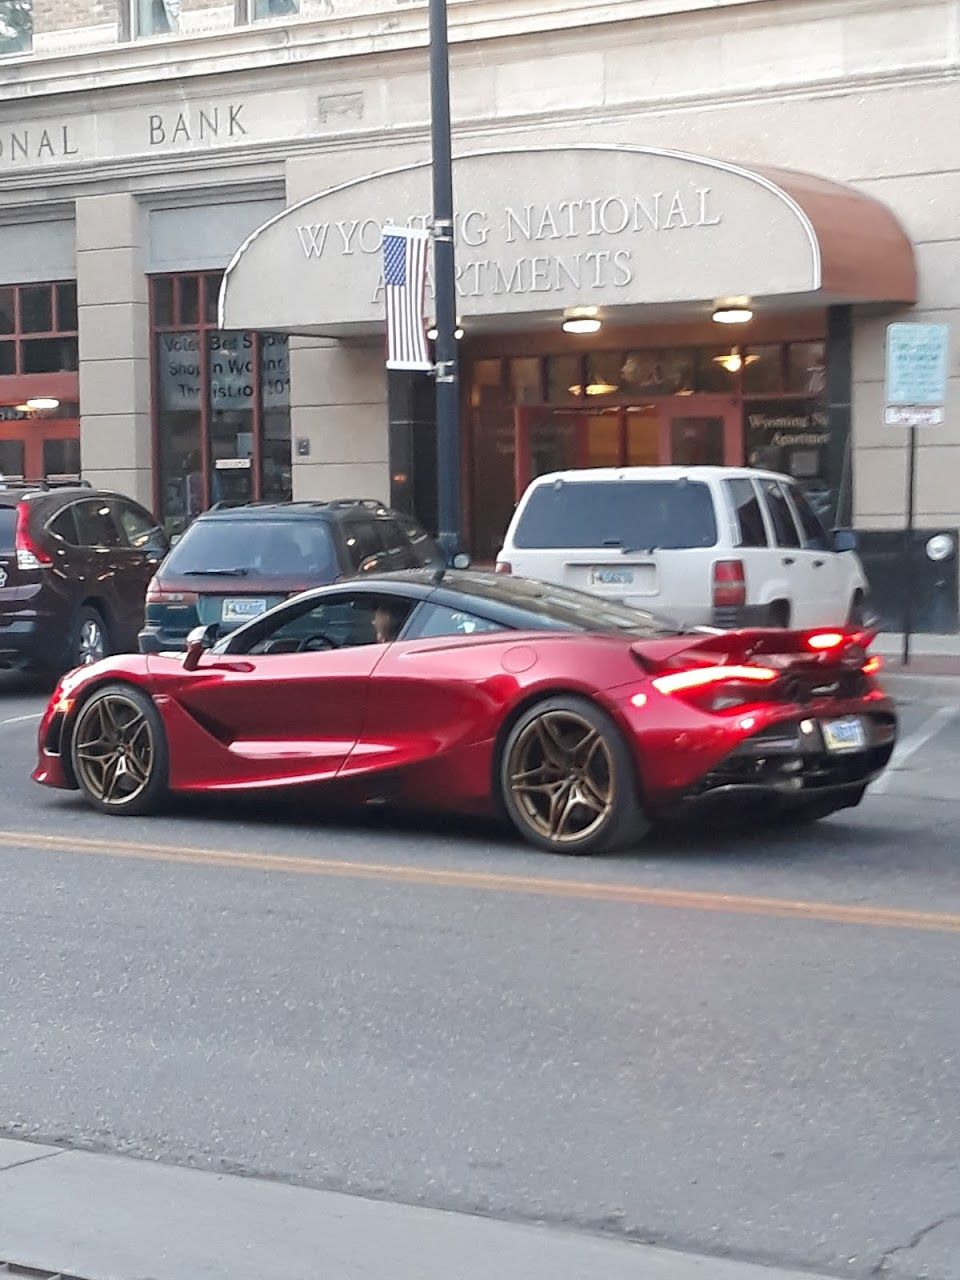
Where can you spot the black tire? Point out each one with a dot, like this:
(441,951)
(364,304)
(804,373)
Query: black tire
(575,764)
(91,637)
(118,751)
(857,616)
(778,615)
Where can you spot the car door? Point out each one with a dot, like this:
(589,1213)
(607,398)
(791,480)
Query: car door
(144,546)
(791,563)
(100,559)
(289,693)
(829,580)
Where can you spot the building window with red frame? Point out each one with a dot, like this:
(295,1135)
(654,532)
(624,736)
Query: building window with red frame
(221,404)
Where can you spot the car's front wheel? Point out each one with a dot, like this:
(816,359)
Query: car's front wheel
(567,779)
(118,751)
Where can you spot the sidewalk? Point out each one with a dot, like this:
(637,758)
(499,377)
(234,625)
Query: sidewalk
(934,664)
(94,1217)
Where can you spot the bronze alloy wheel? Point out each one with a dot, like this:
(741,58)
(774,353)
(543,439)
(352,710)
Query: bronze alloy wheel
(562,776)
(114,749)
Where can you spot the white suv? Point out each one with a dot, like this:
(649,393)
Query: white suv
(723,546)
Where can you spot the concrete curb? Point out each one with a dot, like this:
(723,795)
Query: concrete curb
(114,1218)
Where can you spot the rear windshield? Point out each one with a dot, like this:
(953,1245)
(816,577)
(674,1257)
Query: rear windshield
(256,548)
(8,525)
(635,515)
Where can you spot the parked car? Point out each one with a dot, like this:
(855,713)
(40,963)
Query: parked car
(581,721)
(74,568)
(722,546)
(236,562)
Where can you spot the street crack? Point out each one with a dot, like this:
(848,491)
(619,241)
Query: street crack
(881,1267)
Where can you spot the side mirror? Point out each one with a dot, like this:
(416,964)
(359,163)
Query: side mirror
(461,560)
(844,540)
(199,641)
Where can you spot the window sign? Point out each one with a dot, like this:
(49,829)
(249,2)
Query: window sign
(233,375)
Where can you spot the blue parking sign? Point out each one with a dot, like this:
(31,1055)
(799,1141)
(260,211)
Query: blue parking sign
(917,364)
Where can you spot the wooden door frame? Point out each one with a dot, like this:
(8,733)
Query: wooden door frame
(727,408)
(34,432)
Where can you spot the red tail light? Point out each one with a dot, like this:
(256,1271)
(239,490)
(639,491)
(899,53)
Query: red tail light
(873,665)
(157,593)
(700,677)
(503,566)
(29,554)
(729,584)
(821,641)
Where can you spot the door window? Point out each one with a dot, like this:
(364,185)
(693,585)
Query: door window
(696,442)
(746,505)
(363,542)
(95,525)
(139,528)
(343,622)
(422,547)
(435,620)
(64,526)
(784,526)
(815,536)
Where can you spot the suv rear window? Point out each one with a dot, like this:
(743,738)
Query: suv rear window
(266,548)
(8,529)
(637,515)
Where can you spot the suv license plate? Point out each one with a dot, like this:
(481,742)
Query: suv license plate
(242,609)
(612,577)
(847,734)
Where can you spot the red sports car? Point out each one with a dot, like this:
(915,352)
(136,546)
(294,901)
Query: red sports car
(583,721)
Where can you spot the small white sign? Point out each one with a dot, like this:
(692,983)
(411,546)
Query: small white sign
(915,415)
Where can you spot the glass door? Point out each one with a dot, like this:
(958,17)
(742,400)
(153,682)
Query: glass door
(701,432)
(40,449)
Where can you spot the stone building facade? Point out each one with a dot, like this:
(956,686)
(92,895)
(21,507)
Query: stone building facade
(140,147)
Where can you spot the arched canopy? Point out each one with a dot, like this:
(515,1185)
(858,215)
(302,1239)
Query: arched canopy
(541,229)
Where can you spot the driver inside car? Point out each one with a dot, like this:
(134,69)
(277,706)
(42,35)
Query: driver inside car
(386,623)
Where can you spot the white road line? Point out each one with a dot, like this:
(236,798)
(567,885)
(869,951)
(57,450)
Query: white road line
(34,715)
(909,746)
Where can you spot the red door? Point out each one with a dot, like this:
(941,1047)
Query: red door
(40,449)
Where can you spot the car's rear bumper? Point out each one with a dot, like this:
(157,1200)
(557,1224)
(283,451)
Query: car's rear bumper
(31,640)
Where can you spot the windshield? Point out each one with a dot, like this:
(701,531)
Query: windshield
(256,548)
(630,515)
(8,525)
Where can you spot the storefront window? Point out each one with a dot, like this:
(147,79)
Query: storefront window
(763,369)
(806,367)
(16,26)
(222,406)
(156,17)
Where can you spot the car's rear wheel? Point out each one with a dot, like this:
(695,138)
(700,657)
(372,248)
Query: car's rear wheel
(118,751)
(567,779)
(91,638)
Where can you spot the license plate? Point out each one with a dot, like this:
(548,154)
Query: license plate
(242,609)
(612,577)
(847,734)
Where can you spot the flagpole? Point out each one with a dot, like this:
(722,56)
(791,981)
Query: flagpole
(447,379)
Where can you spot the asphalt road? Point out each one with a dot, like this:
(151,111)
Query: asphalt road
(732,1042)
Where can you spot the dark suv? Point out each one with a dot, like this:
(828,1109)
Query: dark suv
(234,563)
(74,568)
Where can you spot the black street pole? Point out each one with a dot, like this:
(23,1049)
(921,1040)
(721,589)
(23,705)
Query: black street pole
(448,394)
(909,588)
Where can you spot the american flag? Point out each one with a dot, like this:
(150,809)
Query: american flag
(404,281)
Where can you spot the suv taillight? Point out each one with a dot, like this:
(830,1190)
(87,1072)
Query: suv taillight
(729,584)
(157,593)
(29,554)
(503,566)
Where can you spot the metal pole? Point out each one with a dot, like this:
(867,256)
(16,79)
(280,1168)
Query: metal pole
(908,549)
(448,394)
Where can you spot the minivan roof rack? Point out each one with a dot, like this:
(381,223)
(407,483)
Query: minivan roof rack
(44,485)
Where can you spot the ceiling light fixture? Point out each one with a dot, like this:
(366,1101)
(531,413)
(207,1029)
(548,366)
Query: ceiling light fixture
(736,311)
(735,360)
(581,320)
(42,402)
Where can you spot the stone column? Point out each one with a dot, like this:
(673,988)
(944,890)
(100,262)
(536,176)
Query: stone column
(338,414)
(115,431)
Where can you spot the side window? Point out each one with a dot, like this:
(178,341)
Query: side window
(746,505)
(784,526)
(398,548)
(64,526)
(438,620)
(362,542)
(139,529)
(343,622)
(815,535)
(425,550)
(95,524)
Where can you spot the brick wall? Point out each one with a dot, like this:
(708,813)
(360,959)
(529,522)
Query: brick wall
(68,15)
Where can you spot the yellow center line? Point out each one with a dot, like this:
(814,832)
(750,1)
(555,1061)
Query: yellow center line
(493,882)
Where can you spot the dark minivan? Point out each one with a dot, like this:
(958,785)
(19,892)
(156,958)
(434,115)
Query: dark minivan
(74,568)
(234,563)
